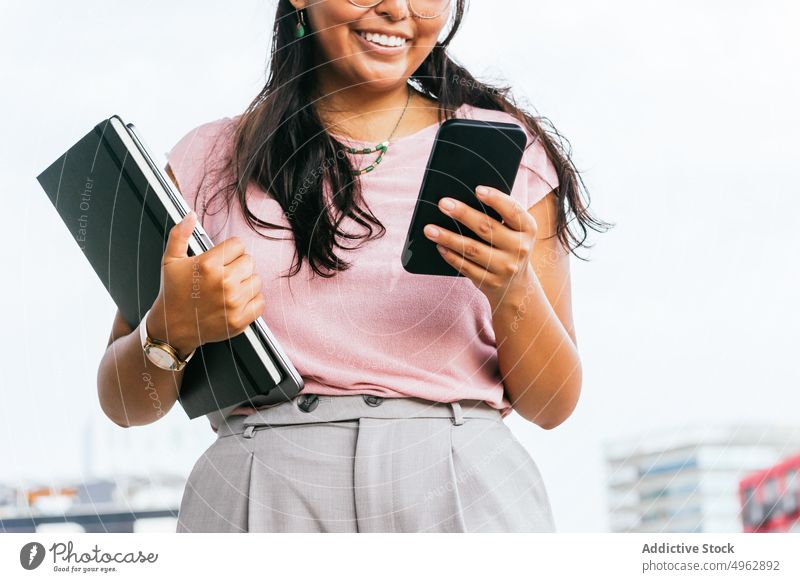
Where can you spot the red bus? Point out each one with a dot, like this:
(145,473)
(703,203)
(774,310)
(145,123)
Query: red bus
(770,499)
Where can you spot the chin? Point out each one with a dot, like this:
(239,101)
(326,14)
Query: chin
(383,84)
(384,80)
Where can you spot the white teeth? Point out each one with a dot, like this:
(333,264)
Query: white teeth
(383,40)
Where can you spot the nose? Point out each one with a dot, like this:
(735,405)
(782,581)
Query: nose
(393,9)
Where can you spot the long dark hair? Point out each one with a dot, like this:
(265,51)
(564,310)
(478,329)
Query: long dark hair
(280,144)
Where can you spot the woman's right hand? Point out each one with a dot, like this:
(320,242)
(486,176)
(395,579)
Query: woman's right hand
(205,298)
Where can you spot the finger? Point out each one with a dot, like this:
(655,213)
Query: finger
(477,273)
(178,238)
(228,250)
(489,229)
(252,286)
(255,307)
(240,269)
(513,214)
(476,251)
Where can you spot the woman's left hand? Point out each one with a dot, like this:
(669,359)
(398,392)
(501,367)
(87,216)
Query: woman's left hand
(501,266)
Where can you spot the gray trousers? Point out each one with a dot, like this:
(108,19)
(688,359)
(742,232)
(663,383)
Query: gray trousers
(360,463)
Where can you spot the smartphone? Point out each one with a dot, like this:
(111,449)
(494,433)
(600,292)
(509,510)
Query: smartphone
(466,153)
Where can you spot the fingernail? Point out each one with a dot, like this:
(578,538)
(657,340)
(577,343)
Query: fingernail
(431,231)
(448,203)
(482,191)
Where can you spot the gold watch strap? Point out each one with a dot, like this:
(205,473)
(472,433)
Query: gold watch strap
(148,341)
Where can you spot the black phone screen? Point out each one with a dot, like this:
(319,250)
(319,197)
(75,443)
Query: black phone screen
(466,153)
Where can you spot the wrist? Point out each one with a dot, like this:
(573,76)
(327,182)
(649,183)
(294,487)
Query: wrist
(517,295)
(159,329)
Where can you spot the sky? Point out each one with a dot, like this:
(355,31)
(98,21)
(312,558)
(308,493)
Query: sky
(682,118)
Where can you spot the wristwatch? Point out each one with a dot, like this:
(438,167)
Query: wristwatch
(160,352)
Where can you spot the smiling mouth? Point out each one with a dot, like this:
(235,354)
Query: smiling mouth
(383,41)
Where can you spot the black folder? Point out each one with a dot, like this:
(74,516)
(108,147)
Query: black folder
(119,206)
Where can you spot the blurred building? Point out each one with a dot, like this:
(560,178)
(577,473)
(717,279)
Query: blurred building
(129,480)
(125,504)
(770,499)
(687,479)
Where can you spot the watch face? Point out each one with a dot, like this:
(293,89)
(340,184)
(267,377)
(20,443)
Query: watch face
(160,357)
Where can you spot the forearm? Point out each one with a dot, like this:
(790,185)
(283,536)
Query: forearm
(132,390)
(538,359)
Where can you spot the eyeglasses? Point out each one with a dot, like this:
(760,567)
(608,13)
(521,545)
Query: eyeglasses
(419,8)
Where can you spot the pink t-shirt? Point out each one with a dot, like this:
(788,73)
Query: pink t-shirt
(374,328)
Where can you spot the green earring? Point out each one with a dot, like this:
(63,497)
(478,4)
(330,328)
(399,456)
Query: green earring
(300,29)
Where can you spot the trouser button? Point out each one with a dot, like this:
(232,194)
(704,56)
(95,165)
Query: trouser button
(307,402)
(372,400)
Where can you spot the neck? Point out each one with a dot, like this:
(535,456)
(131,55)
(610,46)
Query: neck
(343,108)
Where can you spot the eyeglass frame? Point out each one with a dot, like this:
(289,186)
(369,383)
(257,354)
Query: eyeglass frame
(410,7)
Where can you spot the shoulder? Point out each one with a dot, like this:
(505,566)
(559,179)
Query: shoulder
(468,111)
(201,145)
(197,143)
(200,151)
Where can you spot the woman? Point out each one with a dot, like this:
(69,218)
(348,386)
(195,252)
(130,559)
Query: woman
(407,378)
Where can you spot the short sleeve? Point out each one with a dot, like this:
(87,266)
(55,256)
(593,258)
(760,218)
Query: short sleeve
(195,155)
(537,175)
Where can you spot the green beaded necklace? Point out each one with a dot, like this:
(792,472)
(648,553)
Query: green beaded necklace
(382,147)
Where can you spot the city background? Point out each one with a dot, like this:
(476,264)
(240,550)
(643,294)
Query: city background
(682,117)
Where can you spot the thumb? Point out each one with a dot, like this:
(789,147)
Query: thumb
(178,240)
